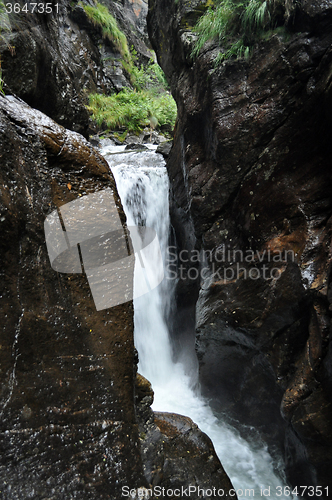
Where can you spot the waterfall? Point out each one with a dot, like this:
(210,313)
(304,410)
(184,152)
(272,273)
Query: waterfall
(142,183)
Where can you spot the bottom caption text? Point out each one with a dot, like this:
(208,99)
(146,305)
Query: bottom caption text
(275,492)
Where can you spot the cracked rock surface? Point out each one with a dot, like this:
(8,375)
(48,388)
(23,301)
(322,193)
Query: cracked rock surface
(68,427)
(250,171)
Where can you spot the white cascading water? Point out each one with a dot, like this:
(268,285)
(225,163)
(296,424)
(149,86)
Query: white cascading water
(142,184)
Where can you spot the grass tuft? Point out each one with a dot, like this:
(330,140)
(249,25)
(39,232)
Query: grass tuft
(236,25)
(5,27)
(130,109)
(100,16)
(149,76)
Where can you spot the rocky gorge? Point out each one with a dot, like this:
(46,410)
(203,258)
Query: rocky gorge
(76,420)
(250,191)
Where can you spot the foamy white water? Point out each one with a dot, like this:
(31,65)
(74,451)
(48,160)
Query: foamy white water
(142,184)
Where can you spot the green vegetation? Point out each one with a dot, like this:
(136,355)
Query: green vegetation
(236,25)
(150,76)
(5,28)
(100,16)
(130,109)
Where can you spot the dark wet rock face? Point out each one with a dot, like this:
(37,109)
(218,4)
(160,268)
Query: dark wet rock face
(164,148)
(53,61)
(51,65)
(251,176)
(73,423)
(131,16)
(68,427)
(176,454)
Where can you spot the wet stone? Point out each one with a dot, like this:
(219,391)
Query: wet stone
(250,168)
(68,427)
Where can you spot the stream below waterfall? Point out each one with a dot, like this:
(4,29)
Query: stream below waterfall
(142,183)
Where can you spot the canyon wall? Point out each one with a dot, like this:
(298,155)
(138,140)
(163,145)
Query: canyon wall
(73,422)
(250,172)
(76,420)
(68,423)
(53,61)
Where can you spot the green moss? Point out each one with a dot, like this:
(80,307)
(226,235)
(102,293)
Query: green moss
(121,137)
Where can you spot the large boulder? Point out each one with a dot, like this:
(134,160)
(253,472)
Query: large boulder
(250,173)
(179,459)
(68,427)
